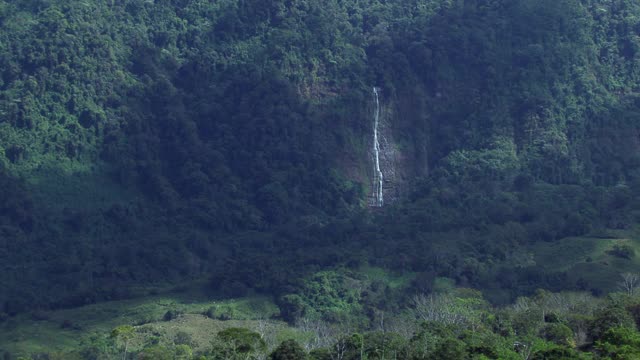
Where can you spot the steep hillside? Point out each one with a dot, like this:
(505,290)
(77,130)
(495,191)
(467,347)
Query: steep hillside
(150,142)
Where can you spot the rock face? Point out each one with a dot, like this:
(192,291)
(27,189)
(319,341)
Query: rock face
(378,176)
(388,174)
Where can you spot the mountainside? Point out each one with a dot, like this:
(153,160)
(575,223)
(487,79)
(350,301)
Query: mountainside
(145,143)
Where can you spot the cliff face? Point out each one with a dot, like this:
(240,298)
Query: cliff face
(397,165)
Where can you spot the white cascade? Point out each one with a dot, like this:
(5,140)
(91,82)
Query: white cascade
(377,177)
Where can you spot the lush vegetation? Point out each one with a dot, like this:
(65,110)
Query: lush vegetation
(446,324)
(145,144)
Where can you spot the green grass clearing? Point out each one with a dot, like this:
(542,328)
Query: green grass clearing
(67,329)
(589,259)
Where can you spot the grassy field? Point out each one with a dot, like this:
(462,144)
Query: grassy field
(591,258)
(162,317)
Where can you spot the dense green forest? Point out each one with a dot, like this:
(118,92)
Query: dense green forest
(146,144)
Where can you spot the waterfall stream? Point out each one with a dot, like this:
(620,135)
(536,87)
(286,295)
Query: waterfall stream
(377,177)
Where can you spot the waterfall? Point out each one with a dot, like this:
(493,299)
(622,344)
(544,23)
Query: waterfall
(377,177)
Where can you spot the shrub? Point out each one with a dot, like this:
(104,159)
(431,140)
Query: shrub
(320,354)
(450,348)
(292,307)
(289,350)
(619,343)
(610,317)
(220,313)
(623,251)
(211,312)
(155,353)
(244,340)
(183,338)
(559,334)
(183,352)
(171,314)
(557,353)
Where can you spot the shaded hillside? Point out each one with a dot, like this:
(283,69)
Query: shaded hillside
(151,142)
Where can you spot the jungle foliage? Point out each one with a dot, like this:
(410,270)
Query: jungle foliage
(151,142)
(452,325)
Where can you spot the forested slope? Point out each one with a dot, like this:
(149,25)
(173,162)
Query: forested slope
(147,142)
